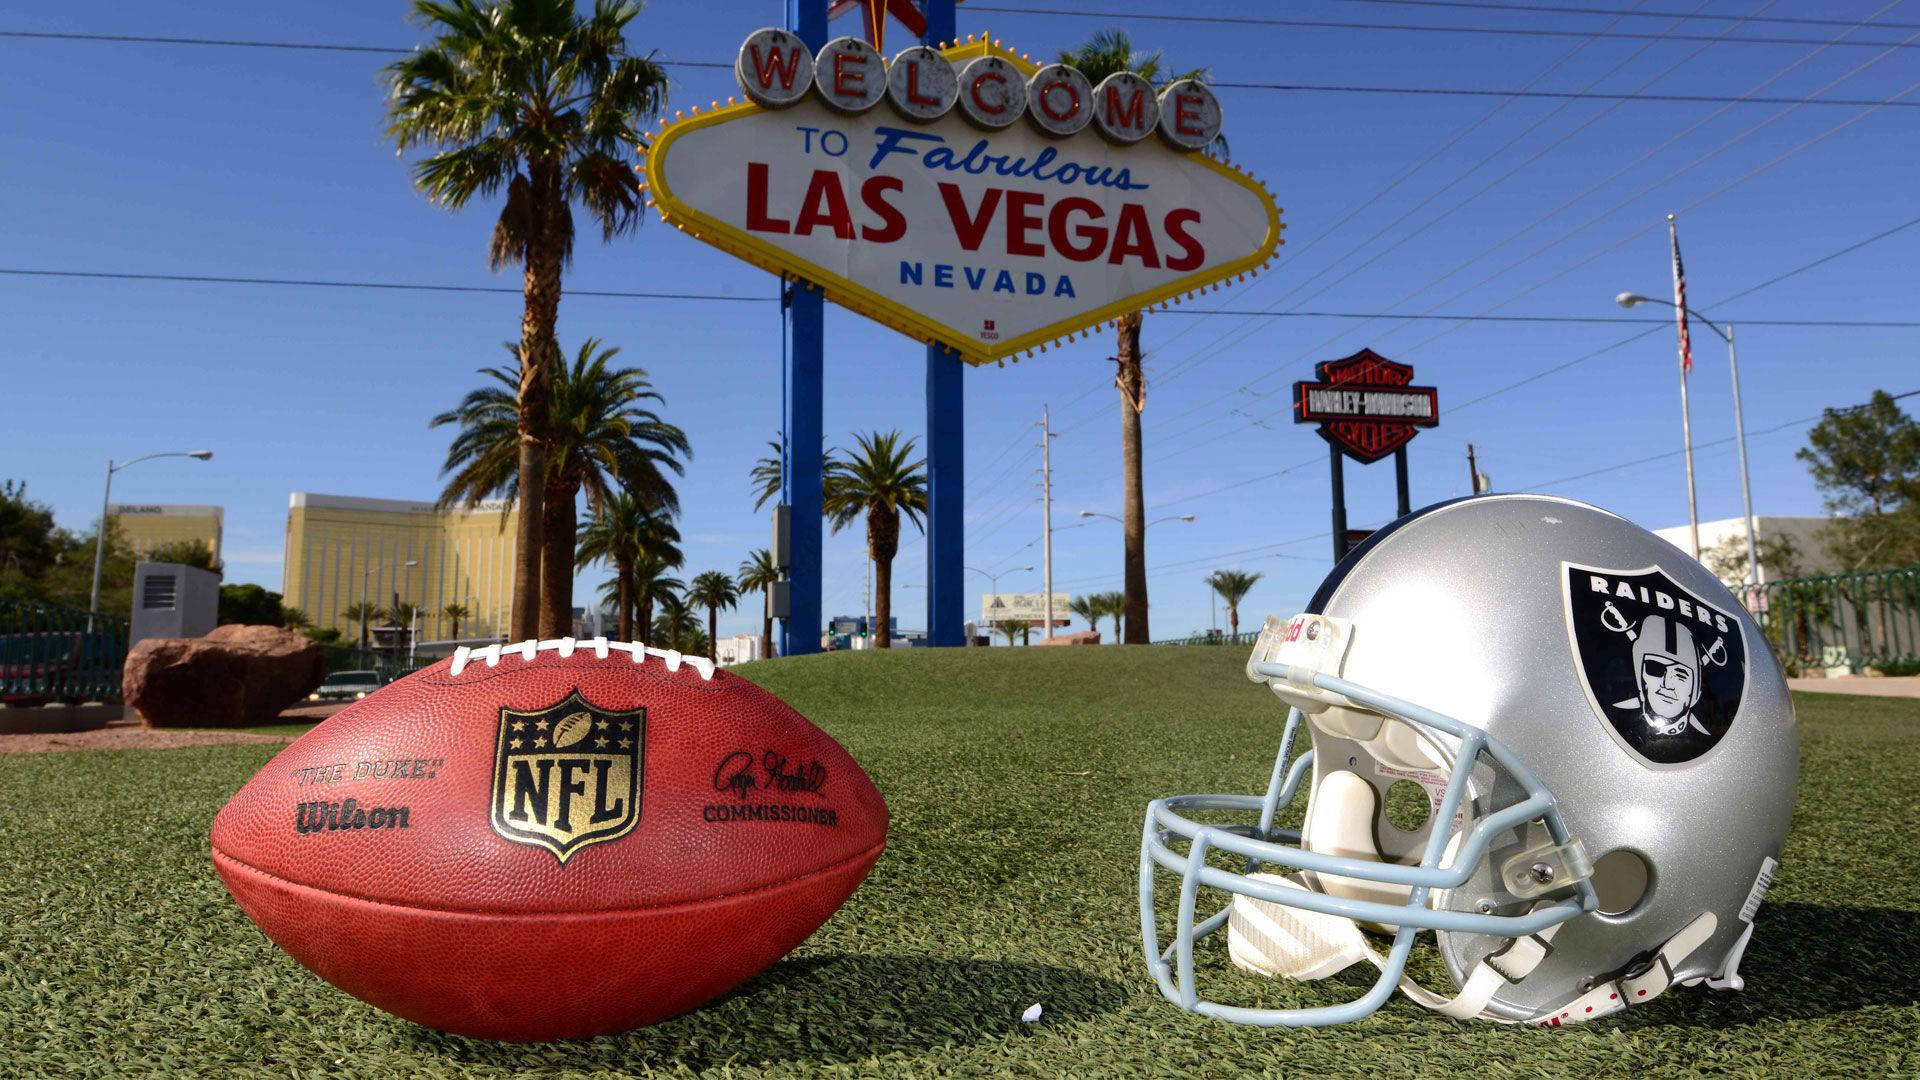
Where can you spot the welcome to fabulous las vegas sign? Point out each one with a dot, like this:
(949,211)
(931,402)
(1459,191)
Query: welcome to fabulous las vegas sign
(966,195)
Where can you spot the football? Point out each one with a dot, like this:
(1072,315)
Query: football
(550,840)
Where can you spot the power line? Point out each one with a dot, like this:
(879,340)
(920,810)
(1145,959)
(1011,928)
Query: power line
(1750,290)
(1623,241)
(1714,442)
(401,286)
(1502,244)
(1495,31)
(1568,95)
(1488,317)
(417,286)
(1223,341)
(1311,88)
(1295,256)
(1472,5)
(1583,358)
(243,43)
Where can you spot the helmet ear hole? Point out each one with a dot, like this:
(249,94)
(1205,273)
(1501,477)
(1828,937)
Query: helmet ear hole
(1408,806)
(1622,878)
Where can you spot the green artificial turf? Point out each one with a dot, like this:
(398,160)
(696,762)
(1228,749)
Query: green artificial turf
(1016,780)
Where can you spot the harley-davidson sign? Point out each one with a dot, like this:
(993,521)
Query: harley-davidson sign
(1365,404)
(965,196)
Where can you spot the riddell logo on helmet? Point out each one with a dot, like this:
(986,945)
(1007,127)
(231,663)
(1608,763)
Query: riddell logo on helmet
(1664,667)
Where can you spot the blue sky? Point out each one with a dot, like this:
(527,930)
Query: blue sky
(254,162)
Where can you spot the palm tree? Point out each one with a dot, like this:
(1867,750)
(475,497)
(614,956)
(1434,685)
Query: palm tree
(768,473)
(758,572)
(618,532)
(1082,606)
(529,96)
(1105,53)
(1012,628)
(880,482)
(364,614)
(767,476)
(651,582)
(603,436)
(713,590)
(1110,603)
(677,627)
(456,614)
(598,434)
(1233,586)
(402,614)
(294,618)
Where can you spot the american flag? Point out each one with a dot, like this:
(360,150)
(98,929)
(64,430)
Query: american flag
(1680,300)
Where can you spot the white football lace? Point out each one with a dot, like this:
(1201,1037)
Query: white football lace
(565,646)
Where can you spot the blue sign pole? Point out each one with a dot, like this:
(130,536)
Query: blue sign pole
(804,437)
(946,450)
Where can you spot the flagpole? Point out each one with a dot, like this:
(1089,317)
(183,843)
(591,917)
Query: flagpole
(1686,414)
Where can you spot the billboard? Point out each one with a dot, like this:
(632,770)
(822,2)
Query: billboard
(1024,607)
(965,196)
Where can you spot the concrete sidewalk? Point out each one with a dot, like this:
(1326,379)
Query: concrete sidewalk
(1899,686)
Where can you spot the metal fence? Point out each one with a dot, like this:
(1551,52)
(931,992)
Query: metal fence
(1857,621)
(1212,637)
(59,654)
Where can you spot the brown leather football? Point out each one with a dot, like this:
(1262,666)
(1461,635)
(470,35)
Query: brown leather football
(551,840)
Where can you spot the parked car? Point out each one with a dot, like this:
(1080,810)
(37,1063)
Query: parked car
(68,666)
(347,686)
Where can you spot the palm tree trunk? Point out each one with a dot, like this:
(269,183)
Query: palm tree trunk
(556,570)
(1133,398)
(621,601)
(1233,618)
(883,602)
(883,543)
(541,288)
(766,622)
(713,646)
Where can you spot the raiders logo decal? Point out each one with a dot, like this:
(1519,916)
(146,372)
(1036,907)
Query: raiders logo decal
(1662,667)
(568,776)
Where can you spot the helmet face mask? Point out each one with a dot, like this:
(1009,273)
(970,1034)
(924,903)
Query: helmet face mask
(1576,857)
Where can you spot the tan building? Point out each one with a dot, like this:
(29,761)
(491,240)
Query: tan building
(146,526)
(1730,534)
(341,549)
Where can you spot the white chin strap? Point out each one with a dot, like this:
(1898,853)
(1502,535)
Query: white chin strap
(1293,943)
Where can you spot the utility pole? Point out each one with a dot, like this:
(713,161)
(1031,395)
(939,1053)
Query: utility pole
(1046,520)
(1473,472)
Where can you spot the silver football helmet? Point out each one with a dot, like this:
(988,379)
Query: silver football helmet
(1597,731)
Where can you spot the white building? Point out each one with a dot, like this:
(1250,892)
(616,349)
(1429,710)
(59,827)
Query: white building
(738,649)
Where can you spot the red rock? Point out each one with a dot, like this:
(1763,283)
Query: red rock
(1078,637)
(236,676)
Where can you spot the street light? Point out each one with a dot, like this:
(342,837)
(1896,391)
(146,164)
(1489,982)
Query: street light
(1149,525)
(100,541)
(365,615)
(993,583)
(993,580)
(1628,300)
(1170,517)
(473,613)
